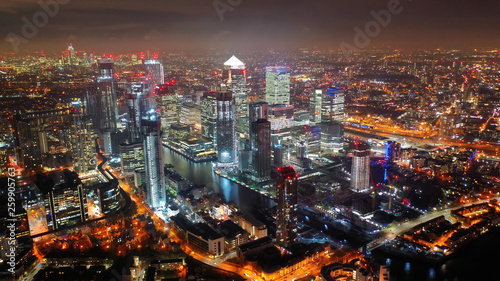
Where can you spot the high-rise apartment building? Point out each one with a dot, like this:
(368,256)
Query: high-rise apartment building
(102,105)
(286,196)
(153,159)
(134,114)
(31,134)
(260,140)
(225,139)
(360,172)
(83,144)
(107,106)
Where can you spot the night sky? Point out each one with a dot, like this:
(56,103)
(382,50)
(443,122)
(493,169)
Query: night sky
(132,25)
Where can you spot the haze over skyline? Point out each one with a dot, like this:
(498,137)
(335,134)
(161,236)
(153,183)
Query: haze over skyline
(192,25)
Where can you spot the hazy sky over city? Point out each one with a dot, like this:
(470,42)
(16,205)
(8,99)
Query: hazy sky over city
(109,25)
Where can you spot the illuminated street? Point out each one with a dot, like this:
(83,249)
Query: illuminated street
(249,140)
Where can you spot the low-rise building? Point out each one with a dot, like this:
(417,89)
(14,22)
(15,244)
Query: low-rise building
(234,235)
(200,236)
(252,225)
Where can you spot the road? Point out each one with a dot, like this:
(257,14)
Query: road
(220,263)
(486,148)
(31,275)
(391,232)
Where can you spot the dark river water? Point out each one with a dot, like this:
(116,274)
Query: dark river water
(201,173)
(479,260)
(476,261)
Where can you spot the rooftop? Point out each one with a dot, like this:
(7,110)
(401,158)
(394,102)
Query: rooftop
(199,229)
(229,229)
(235,63)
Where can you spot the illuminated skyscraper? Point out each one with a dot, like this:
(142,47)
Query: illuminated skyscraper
(278,152)
(332,137)
(107,111)
(134,116)
(147,101)
(235,79)
(447,124)
(29,139)
(209,115)
(64,197)
(132,151)
(360,172)
(259,110)
(168,105)
(153,159)
(140,101)
(310,136)
(87,59)
(83,144)
(154,73)
(282,124)
(31,135)
(392,151)
(71,55)
(315,103)
(278,85)
(260,140)
(225,130)
(132,156)
(301,148)
(333,105)
(102,105)
(286,196)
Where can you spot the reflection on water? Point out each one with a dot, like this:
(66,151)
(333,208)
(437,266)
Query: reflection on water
(475,261)
(407,267)
(471,264)
(404,270)
(201,174)
(432,273)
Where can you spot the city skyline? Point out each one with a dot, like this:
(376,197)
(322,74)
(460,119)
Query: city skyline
(365,146)
(249,140)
